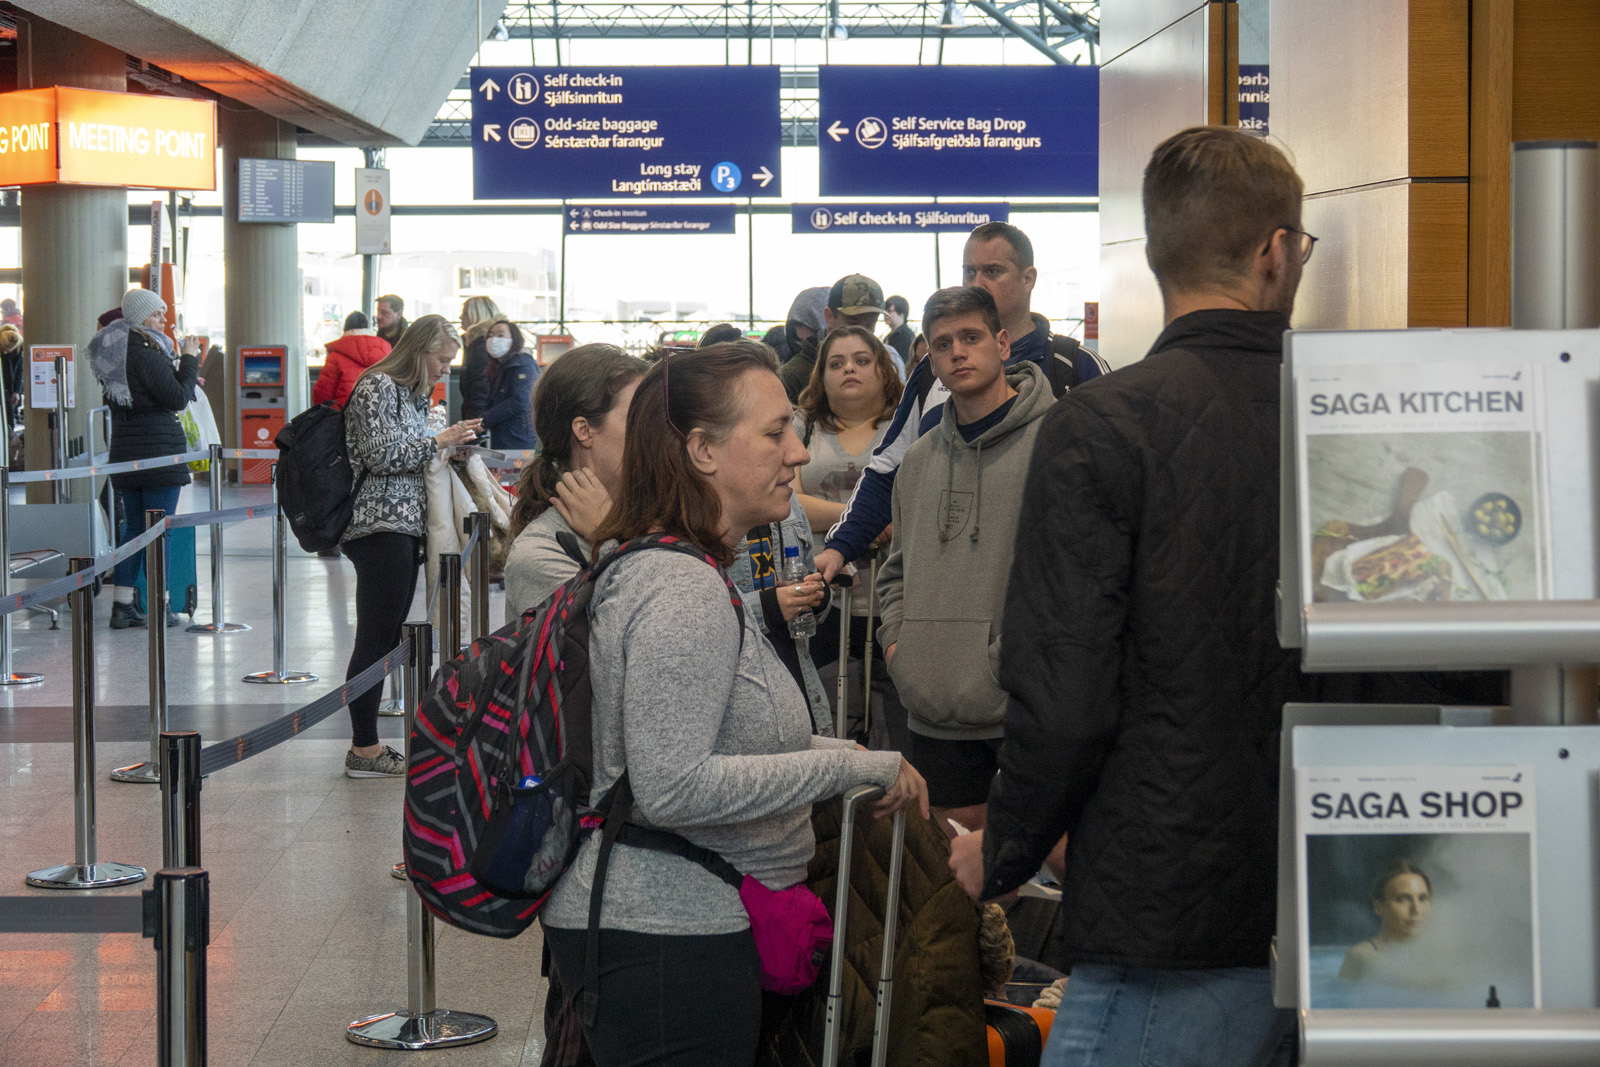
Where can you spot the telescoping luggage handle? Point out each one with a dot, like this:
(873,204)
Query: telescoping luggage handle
(835,1019)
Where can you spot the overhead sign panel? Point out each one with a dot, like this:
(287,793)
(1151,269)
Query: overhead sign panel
(569,132)
(87,137)
(893,218)
(938,131)
(285,190)
(372,211)
(585,219)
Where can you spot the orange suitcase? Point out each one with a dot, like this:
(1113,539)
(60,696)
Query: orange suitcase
(1016,1034)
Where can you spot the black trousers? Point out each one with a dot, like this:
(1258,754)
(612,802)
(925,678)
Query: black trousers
(668,1001)
(386,580)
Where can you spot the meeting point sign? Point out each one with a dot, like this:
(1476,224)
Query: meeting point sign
(87,137)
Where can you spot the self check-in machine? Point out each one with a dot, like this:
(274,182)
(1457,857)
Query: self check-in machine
(262,406)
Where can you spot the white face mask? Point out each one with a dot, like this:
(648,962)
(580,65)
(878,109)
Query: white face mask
(498,346)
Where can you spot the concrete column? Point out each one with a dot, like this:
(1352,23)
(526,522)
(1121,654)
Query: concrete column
(74,239)
(263,284)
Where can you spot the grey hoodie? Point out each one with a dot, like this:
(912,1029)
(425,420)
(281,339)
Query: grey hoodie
(943,586)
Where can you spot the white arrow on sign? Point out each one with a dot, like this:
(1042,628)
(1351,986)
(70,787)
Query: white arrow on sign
(574,212)
(763,176)
(837,132)
(489,88)
(491,131)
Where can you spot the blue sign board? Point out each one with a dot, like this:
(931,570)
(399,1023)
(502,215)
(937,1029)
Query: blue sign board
(893,218)
(585,219)
(949,131)
(1255,96)
(565,132)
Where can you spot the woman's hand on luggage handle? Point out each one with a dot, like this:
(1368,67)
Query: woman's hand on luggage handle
(461,433)
(792,599)
(582,501)
(908,789)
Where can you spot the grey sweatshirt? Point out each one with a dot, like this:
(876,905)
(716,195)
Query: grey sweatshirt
(942,588)
(718,746)
(537,564)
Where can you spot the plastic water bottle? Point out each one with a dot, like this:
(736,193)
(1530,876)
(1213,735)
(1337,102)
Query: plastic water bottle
(805,623)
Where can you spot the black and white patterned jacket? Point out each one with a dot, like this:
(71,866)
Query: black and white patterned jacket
(386,433)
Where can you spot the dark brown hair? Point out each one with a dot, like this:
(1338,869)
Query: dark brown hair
(960,300)
(814,398)
(1021,247)
(658,488)
(583,383)
(1394,869)
(1212,197)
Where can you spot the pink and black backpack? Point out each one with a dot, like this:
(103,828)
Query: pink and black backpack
(502,757)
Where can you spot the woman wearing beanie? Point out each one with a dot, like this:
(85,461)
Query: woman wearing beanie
(146,383)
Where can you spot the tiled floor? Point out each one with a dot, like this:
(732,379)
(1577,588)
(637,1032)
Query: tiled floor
(308,928)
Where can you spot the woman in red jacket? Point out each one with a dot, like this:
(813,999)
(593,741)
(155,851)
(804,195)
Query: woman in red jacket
(348,355)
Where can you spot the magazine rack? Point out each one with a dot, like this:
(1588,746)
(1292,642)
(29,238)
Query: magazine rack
(1547,616)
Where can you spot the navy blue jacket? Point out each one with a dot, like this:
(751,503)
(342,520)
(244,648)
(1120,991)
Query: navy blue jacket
(509,417)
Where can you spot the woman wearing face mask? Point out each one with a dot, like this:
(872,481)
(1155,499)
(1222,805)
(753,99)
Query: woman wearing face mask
(580,408)
(386,435)
(508,416)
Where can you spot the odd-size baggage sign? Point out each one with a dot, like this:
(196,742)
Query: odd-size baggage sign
(959,131)
(622,132)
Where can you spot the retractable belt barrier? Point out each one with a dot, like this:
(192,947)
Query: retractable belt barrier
(61,474)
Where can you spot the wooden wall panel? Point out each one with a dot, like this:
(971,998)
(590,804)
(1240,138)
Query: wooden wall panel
(1437,254)
(1126,23)
(1556,71)
(1439,43)
(1489,165)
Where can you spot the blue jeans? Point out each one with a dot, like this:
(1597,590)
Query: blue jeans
(134,503)
(1113,1016)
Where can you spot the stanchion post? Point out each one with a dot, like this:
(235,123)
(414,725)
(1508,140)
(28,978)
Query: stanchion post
(421,1025)
(84,872)
(8,676)
(479,521)
(449,605)
(181,902)
(62,369)
(180,799)
(216,625)
(280,674)
(155,584)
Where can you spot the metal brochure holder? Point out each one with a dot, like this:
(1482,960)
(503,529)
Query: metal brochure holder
(1549,727)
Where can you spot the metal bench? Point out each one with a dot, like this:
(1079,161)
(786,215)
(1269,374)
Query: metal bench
(21,562)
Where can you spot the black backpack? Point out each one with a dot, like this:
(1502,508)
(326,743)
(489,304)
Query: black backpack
(317,484)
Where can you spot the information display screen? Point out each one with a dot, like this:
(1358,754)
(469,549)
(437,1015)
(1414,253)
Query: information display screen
(285,190)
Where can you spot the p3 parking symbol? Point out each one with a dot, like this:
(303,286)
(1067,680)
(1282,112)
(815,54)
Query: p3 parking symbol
(726,177)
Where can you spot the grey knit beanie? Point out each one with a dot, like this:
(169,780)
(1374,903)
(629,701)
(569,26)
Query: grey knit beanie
(140,304)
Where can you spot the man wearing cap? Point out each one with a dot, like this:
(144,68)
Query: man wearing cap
(854,300)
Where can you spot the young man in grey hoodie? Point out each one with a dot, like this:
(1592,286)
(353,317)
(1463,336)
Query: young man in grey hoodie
(955,506)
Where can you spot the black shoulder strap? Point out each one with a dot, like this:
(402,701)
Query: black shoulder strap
(572,547)
(806,440)
(1061,365)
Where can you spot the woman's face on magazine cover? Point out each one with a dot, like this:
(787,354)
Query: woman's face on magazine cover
(1404,907)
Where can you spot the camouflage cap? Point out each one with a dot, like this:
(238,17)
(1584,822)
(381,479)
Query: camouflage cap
(856,294)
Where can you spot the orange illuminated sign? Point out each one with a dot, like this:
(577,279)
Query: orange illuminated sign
(87,137)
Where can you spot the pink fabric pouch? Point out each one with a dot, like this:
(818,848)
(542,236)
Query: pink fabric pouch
(793,934)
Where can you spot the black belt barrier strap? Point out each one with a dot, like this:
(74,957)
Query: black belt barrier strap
(61,914)
(238,749)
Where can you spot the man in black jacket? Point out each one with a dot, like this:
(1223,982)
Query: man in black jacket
(1146,682)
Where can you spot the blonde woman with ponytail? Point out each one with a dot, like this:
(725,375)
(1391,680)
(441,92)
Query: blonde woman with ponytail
(580,411)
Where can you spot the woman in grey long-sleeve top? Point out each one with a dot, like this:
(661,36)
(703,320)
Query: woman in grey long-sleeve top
(711,728)
(386,435)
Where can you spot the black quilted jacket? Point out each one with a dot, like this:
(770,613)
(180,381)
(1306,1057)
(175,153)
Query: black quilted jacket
(1146,681)
(149,426)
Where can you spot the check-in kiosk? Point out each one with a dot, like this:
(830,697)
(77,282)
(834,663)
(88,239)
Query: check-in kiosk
(262,406)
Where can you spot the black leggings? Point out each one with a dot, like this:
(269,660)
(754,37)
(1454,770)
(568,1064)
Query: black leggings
(386,580)
(672,1001)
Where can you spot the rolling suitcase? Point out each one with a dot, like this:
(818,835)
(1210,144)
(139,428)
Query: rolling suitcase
(841,706)
(1016,1034)
(183,584)
(834,1026)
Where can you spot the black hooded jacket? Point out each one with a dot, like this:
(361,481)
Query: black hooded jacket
(149,425)
(1141,657)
